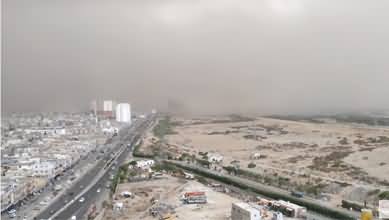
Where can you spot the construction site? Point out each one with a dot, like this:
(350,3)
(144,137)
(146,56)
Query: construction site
(167,194)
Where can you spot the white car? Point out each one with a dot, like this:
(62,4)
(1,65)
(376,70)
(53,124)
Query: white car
(98,190)
(73,217)
(82,199)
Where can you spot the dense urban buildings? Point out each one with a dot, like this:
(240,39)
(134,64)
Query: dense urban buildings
(37,148)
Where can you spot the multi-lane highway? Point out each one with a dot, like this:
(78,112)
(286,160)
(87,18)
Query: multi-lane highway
(94,182)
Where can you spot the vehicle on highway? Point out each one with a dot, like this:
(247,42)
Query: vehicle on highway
(297,194)
(73,217)
(98,190)
(12,211)
(82,199)
(57,187)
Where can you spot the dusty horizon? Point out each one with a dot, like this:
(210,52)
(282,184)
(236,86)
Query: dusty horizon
(206,57)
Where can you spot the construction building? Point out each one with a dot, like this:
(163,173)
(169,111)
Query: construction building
(245,211)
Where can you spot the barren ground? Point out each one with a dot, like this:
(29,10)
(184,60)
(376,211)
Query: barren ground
(328,152)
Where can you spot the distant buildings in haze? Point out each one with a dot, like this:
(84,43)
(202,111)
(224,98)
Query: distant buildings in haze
(123,113)
(109,109)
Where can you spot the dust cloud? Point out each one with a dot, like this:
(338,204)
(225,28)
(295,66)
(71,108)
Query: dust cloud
(209,56)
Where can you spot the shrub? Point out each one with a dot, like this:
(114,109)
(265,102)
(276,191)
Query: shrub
(204,163)
(164,127)
(251,165)
(384,195)
(354,206)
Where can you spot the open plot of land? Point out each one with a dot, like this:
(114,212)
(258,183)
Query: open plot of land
(285,144)
(338,157)
(375,162)
(168,192)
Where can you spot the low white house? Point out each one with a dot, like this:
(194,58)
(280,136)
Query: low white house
(144,164)
(256,156)
(110,130)
(118,206)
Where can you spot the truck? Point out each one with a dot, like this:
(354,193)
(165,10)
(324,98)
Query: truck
(194,198)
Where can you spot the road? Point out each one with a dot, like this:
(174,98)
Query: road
(33,204)
(68,205)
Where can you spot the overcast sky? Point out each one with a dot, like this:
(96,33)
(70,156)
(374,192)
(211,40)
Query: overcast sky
(212,56)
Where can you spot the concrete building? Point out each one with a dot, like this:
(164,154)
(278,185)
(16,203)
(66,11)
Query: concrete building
(123,113)
(47,131)
(108,108)
(44,168)
(245,211)
(277,216)
(290,209)
(104,109)
(144,164)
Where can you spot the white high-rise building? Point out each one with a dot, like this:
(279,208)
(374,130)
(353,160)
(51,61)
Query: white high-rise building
(123,113)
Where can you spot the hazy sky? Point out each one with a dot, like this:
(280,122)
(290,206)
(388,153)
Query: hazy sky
(265,56)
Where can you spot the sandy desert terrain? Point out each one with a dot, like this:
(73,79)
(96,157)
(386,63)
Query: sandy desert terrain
(344,159)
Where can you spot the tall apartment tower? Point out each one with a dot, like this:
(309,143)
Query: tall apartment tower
(123,113)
